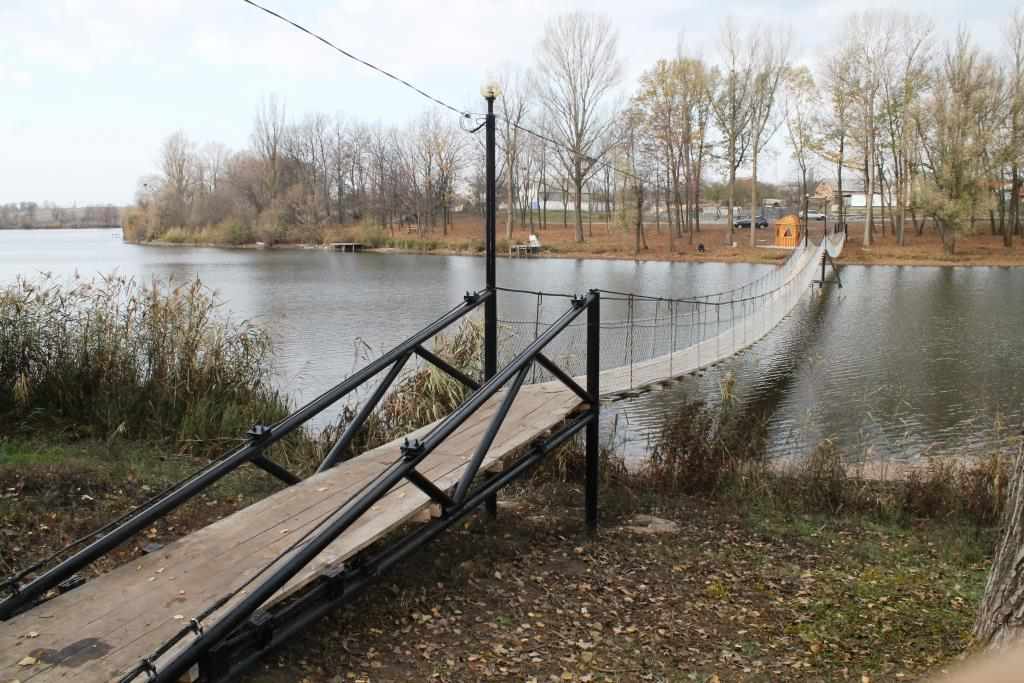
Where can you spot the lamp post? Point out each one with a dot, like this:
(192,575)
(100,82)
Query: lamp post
(490,91)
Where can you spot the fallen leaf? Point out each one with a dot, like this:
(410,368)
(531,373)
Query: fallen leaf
(27,661)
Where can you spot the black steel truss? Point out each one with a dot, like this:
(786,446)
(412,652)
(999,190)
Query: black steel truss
(23,596)
(244,630)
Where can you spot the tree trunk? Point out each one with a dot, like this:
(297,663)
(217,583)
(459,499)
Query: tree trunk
(1011,228)
(639,220)
(510,208)
(753,194)
(1001,616)
(579,206)
(901,207)
(732,187)
(870,203)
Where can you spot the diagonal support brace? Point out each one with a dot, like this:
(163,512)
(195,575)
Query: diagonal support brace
(272,468)
(564,377)
(488,438)
(428,487)
(446,367)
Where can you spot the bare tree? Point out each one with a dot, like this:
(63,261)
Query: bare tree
(513,108)
(802,104)
(578,68)
(268,140)
(957,128)
(732,105)
(1015,141)
(904,80)
(178,164)
(770,65)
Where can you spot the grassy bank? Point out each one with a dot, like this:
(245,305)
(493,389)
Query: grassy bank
(604,241)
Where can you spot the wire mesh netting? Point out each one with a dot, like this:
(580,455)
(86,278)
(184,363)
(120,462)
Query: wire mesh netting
(646,339)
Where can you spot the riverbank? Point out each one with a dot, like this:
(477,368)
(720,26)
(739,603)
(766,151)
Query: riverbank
(602,242)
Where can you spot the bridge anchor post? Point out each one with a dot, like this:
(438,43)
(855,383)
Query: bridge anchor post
(593,426)
(827,260)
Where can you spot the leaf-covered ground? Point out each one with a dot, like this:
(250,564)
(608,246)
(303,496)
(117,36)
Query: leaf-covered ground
(738,595)
(725,596)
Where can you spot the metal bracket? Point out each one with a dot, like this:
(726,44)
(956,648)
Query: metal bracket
(411,449)
(263,621)
(471,297)
(70,583)
(258,433)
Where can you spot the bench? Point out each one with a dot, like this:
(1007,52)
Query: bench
(532,246)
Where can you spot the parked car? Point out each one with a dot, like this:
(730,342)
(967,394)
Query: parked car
(813,215)
(762,222)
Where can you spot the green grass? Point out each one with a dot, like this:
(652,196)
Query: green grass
(895,587)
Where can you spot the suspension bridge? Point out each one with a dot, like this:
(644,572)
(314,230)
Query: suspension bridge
(208,605)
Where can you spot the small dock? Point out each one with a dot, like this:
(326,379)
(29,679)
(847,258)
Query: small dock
(346,246)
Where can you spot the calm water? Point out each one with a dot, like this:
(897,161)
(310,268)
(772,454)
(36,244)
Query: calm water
(901,362)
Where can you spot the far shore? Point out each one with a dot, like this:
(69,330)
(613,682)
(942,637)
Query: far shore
(983,251)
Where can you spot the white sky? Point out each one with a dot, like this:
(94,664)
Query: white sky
(90,88)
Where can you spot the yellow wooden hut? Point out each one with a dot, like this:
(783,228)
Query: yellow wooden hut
(787,231)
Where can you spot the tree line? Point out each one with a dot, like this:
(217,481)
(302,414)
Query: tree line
(31,215)
(931,127)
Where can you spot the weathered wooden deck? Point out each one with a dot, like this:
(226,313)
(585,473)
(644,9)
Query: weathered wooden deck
(102,629)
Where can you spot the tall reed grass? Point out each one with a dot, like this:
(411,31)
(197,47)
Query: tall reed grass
(111,356)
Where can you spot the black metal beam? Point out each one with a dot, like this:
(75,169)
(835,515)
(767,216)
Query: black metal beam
(447,367)
(428,487)
(594,389)
(490,249)
(342,444)
(271,467)
(564,377)
(492,431)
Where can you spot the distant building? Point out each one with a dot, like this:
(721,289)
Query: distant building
(557,200)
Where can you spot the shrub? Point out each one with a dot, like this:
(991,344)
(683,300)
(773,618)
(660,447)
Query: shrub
(177,236)
(701,450)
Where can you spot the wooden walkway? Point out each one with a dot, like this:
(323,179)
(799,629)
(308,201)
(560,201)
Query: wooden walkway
(102,629)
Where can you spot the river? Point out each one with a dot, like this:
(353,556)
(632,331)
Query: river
(901,362)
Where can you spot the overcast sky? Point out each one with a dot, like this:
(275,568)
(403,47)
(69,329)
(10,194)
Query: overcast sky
(90,88)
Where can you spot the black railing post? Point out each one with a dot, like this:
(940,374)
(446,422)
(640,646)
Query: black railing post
(490,248)
(594,389)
